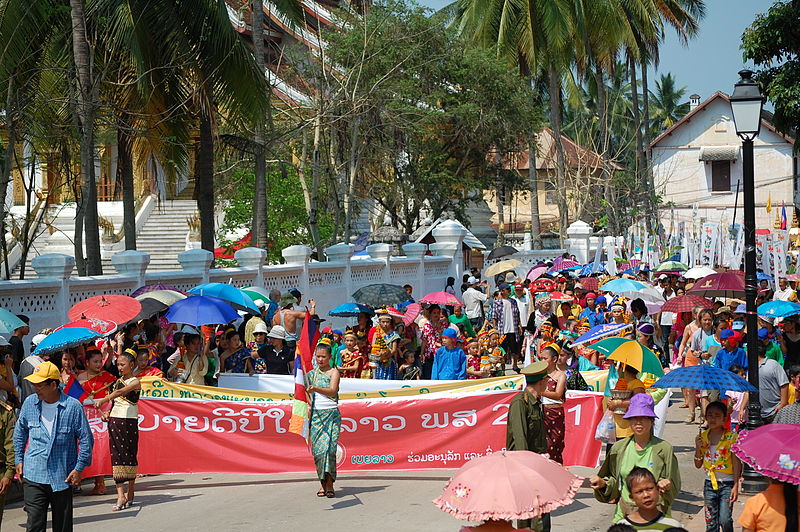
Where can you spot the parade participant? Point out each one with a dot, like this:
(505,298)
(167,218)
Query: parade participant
(474,369)
(771,349)
(641,449)
(364,323)
(737,401)
(495,355)
(52,446)
(773,386)
(191,366)
(700,330)
(642,486)
(7,421)
(408,370)
(524,300)
(386,368)
(431,333)
(363,346)
(450,361)
(617,314)
(352,358)
(383,339)
(542,313)
(525,430)
(572,364)
(143,369)
(553,402)
(790,342)
(722,468)
(274,357)
(123,428)
(291,320)
(773,510)
(326,420)
(8,389)
(236,358)
(506,319)
(644,335)
(96,381)
(460,320)
(730,353)
(591,313)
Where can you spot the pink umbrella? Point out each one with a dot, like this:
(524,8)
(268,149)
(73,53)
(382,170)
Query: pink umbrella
(562,264)
(590,283)
(793,277)
(536,272)
(411,313)
(442,298)
(508,485)
(772,450)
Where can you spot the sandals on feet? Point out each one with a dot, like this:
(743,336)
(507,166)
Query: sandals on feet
(128,504)
(118,507)
(330,494)
(321,493)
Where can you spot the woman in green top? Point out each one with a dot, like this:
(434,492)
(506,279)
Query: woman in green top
(462,321)
(642,449)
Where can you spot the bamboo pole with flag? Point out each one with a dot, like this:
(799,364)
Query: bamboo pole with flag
(303,364)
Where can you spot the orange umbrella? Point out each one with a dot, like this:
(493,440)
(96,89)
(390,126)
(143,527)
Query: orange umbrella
(508,485)
(107,307)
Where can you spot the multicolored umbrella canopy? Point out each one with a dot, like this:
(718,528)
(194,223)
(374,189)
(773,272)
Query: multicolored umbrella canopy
(598,332)
(108,307)
(726,284)
(704,377)
(772,451)
(9,321)
(630,353)
(778,309)
(228,293)
(381,295)
(201,310)
(101,327)
(501,267)
(686,303)
(256,292)
(350,310)
(442,298)
(168,297)
(590,283)
(64,339)
(508,485)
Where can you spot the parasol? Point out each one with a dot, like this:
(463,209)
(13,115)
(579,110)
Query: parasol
(501,267)
(108,307)
(630,353)
(726,284)
(704,377)
(442,298)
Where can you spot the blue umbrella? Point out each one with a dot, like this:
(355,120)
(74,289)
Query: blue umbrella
(229,294)
(778,309)
(64,339)
(350,310)
(704,377)
(764,277)
(599,332)
(9,321)
(622,285)
(201,310)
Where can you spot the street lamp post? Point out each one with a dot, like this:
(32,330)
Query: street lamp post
(746,104)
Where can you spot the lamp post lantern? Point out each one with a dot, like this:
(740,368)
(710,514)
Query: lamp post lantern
(746,104)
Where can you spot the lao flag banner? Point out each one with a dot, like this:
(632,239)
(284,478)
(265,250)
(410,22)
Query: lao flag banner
(74,389)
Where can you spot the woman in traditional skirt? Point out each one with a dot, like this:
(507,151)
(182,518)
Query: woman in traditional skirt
(123,428)
(326,421)
(553,403)
(96,381)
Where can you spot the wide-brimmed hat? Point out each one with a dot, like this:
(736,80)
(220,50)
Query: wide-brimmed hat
(641,405)
(287,300)
(260,328)
(278,332)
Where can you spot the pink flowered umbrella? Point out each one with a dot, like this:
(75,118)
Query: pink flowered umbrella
(508,485)
(793,277)
(411,313)
(562,264)
(772,450)
(536,272)
(442,298)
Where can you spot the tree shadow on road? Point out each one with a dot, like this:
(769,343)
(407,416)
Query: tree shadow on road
(685,503)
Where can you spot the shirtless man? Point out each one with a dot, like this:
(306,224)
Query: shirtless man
(288,318)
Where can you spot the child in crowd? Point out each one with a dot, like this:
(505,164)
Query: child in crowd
(722,467)
(408,370)
(644,493)
(737,402)
(351,356)
(495,355)
(386,367)
(449,362)
(730,353)
(474,369)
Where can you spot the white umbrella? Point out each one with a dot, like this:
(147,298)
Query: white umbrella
(699,272)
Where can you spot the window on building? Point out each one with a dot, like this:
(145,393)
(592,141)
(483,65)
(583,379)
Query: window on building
(550,197)
(720,176)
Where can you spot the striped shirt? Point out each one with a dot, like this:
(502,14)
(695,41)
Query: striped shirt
(661,522)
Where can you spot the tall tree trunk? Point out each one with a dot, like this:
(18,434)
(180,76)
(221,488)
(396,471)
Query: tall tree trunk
(602,108)
(125,172)
(641,175)
(204,179)
(86,107)
(259,229)
(313,203)
(533,186)
(351,180)
(8,159)
(648,166)
(554,82)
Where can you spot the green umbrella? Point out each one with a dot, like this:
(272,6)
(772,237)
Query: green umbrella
(254,292)
(631,353)
(672,266)
(9,322)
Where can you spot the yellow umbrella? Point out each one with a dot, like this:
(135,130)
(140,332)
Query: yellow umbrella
(501,267)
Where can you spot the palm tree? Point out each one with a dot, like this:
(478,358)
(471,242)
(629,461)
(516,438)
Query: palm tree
(667,108)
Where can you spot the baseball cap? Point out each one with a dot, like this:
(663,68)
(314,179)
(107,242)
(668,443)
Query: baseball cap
(763,334)
(727,333)
(44,371)
(450,333)
(591,295)
(741,309)
(600,300)
(518,287)
(37,339)
(738,325)
(504,286)
(663,277)
(647,329)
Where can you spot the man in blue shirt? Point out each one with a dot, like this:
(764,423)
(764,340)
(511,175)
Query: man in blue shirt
(449,362)
(59,447)
(730,353)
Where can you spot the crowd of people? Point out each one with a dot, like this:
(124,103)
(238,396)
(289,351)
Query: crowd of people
(524,326)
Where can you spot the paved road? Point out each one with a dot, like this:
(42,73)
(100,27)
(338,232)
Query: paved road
(387,502)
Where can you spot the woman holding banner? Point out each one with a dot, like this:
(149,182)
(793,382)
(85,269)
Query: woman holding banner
(123,429)
(323,385)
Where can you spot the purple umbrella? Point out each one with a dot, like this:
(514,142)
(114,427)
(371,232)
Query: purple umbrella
(152,287)
(772,451)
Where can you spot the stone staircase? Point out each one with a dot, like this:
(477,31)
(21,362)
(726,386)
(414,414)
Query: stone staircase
(164,234)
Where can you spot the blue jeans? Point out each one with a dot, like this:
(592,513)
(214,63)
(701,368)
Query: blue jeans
(718,507)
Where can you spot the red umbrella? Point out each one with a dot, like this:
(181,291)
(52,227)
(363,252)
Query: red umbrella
(725,284)
(108,307)
(103,327)
(686,302)
(590,283)
(442,298)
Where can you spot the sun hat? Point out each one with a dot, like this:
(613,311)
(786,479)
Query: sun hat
(287,300)
(260,328)
(641,405)
(277,332)
(510,276)
(44,371)
(647,329)
(472,280)
(450,333)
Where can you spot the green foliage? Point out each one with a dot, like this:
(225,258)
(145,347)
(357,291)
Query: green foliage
(285,212)
(773,43)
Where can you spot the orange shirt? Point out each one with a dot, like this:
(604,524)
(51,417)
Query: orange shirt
(764,512)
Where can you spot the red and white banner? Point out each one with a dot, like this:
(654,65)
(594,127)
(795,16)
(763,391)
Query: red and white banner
(415,433)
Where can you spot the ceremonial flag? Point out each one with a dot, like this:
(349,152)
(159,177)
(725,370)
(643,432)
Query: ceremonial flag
(74,389)
(303,364)
(783,216)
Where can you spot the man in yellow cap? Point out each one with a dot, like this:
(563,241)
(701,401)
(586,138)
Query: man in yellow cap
(525,428)
(52,446)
